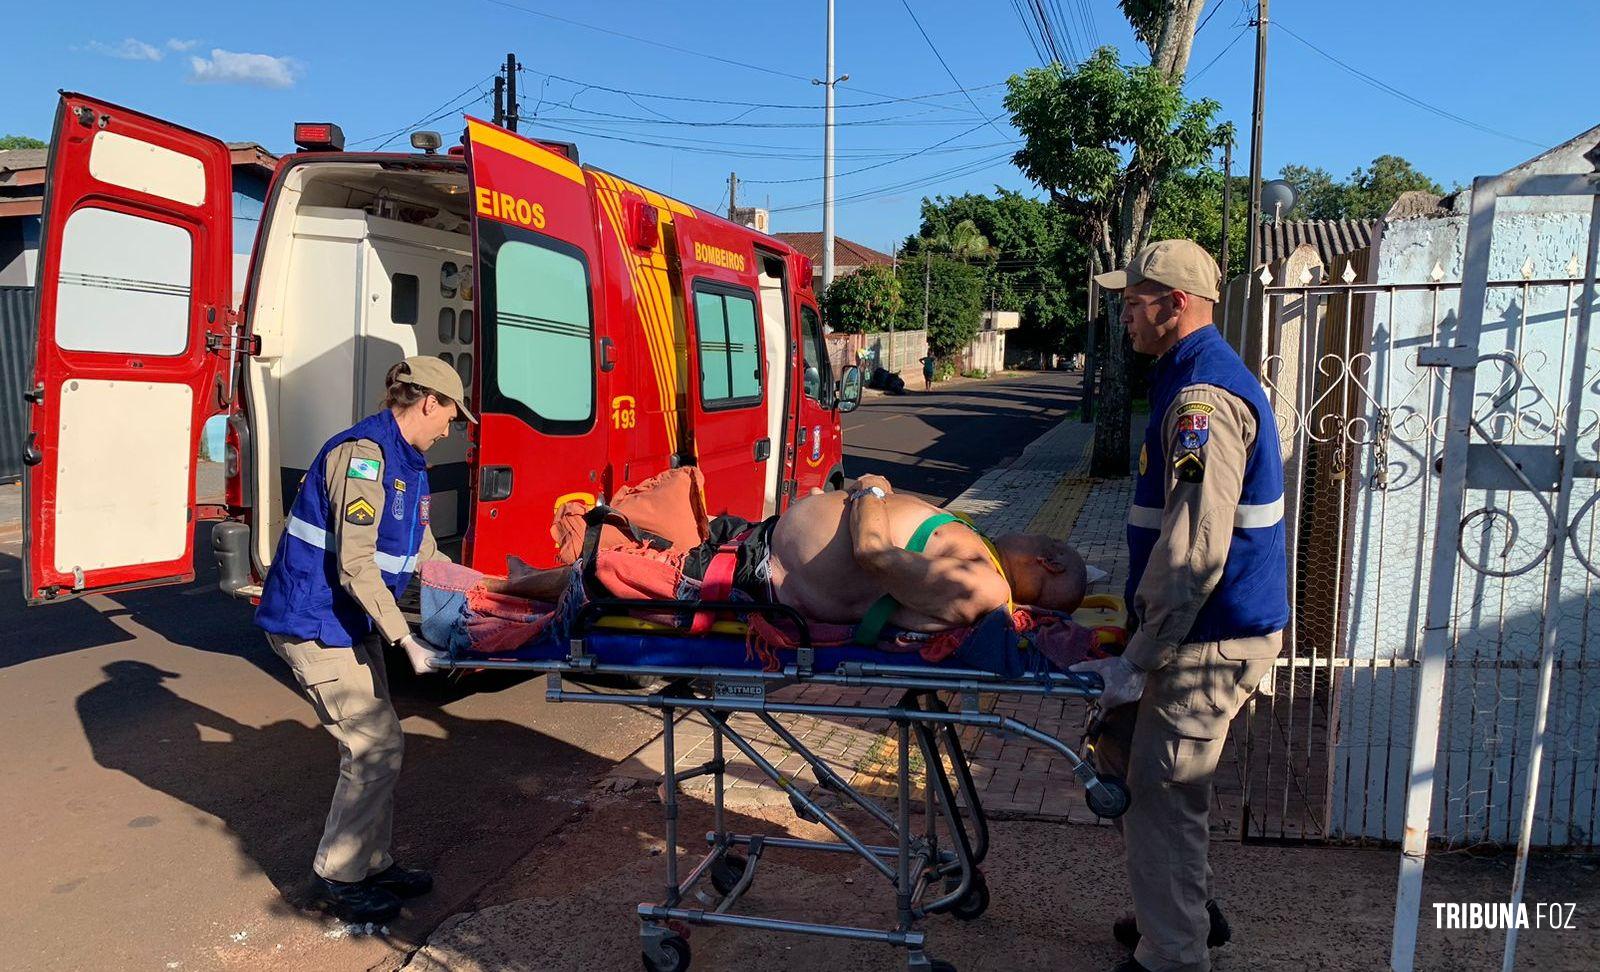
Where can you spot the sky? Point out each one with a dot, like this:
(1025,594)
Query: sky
(698,89)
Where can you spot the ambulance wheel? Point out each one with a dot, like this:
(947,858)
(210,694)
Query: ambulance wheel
(727,872)
(975,902)
(676,951)
(1109,799)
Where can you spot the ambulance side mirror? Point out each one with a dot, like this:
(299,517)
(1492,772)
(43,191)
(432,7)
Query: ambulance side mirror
(850,389)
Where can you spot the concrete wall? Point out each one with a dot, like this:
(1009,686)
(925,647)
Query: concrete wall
(1500,622)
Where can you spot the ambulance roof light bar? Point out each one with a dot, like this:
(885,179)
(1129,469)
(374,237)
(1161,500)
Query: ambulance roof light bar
(319,136)
(427,142)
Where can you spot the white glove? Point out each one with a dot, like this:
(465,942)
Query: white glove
(421,654)
(1123,682)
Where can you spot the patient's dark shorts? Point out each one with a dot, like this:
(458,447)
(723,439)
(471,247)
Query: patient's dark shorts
(752,571)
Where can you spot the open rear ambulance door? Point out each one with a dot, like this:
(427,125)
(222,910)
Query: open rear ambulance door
(133,292)
(545,352)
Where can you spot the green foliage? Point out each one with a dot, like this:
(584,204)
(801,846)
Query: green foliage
(1037,266)
(8,142)
(1097,138)
(863,302)
(1189,206)
(954,300)
(978,373)
(1366,194)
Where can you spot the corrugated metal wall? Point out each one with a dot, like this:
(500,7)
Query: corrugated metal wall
(16,370)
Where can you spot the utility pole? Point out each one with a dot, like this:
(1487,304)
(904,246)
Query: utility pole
(827,157)
(1086,411)
(499,99)
(927,283)
(1255,133)
(1227,202)
(513,110)
(733,193)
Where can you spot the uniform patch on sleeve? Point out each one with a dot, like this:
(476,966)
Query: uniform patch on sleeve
(1196,408)
(1190,467)
(1193,430)
(363,469)
(360,512)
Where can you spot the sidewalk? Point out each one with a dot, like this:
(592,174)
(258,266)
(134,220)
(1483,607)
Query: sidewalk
(10,512)
(1045,490)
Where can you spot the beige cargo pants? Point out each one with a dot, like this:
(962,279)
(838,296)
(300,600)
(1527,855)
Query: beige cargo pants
(1167,747)
(349,689)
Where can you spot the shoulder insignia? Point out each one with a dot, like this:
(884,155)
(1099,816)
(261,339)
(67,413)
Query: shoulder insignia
(360,512)
(1196,408)
(363,469)
(1193,430)
(1144,458)
(1190,467)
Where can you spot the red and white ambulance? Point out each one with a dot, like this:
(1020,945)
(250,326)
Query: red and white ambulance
(605,333)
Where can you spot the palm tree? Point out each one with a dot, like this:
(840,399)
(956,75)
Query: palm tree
(964,242)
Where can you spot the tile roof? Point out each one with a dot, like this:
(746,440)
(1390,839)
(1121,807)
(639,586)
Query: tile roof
(1331,237)
(15,159)
(846,253)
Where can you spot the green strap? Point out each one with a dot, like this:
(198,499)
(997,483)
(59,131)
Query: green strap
(877,616)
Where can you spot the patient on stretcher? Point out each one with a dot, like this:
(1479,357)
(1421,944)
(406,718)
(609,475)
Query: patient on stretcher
(861,558)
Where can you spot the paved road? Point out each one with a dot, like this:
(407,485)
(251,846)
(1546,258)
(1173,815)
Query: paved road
(936,444)
(163,782)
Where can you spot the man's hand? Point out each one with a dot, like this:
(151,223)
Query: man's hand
(1123,682)
(870,480)
(421,654)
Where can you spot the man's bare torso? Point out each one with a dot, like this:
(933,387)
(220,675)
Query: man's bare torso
(813,564)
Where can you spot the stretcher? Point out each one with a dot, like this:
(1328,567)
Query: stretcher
(931,868)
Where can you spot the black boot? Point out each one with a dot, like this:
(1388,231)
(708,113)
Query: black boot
(1126,929)
(357,902)
(407,882)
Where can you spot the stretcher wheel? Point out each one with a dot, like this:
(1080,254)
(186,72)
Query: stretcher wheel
(677,951)
(1110,798)
(727,872)
(972,905)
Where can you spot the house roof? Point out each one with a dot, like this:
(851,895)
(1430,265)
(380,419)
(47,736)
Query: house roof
(846,253)
(1331,237)
(25,167)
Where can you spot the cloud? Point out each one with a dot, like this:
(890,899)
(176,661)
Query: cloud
(130,49)
(174,44)
(232,67)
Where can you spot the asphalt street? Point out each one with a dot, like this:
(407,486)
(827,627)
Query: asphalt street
(164,782)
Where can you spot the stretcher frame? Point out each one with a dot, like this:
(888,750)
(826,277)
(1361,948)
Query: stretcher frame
(927,877)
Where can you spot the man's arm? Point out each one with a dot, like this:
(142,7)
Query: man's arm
(355,505)
(1208,433)
(954,590)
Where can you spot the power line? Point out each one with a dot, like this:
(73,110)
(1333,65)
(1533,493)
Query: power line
(1028,30)
(877,165)
(1196,75)
(1409,99)
(970,168)
(946,67)
(589,85)
(1207,19)
(434,115)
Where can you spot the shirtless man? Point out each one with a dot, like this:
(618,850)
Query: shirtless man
(832,556)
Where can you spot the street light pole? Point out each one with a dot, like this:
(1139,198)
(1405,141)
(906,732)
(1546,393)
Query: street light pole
(827,162)
(1254,210)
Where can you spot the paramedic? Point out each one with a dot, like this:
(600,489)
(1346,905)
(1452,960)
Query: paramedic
(356,533)
(1208,590)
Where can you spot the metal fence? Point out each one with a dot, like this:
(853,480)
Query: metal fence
(16,370)
(1362,419)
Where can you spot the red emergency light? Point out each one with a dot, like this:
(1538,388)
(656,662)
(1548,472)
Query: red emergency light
(319,136)
(644,223)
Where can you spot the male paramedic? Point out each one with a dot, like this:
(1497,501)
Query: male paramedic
(356,533)
(1207,586)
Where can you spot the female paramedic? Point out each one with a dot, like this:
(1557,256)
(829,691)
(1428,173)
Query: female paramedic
(356,533)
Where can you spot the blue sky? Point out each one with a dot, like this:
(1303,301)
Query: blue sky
(250,72)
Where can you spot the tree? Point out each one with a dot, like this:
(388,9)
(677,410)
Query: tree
(954,300)
(863,302)
(9,142)
(1366,194)
(964,242)
(1037,265)
(1099,139)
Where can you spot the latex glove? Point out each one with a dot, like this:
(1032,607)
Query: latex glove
(1123,682)
(421,654)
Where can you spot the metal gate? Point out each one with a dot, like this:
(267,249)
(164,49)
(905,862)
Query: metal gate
(1362,377)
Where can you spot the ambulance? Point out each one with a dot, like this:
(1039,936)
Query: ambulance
(604,332)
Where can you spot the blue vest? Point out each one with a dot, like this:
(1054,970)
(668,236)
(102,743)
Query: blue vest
(302,597)
(1252,597)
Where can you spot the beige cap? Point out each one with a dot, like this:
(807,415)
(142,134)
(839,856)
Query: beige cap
(1180,264)
(426,371)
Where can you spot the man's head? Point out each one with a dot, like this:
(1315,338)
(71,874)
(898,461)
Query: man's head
(1043,571)
(1169,290)
(425,395)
